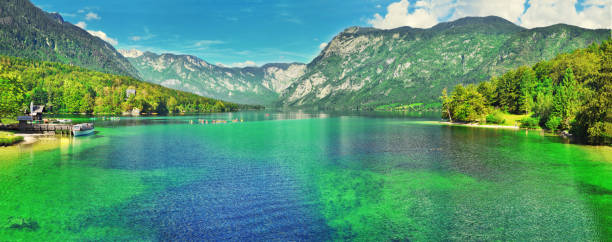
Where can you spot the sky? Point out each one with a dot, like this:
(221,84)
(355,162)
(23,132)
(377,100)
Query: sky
(255,32)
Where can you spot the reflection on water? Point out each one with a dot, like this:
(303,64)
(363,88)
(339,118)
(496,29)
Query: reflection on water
(304,176)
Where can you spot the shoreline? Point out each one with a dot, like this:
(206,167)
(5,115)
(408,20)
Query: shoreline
(560,135)
(29,138)
(490,126)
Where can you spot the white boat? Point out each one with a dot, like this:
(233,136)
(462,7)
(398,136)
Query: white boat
(82,129)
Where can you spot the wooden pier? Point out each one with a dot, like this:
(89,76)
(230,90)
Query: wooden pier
(46,128)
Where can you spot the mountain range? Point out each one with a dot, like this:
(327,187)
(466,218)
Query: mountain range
(249,85)
(360,68)
(366,68)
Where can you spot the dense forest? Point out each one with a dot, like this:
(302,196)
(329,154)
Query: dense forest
(572,92)
(70,89)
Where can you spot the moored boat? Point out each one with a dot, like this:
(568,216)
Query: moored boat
(82,129)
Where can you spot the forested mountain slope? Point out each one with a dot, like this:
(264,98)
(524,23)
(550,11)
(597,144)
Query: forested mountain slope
(70,89)
(27,31)
(572,93)
(364,68)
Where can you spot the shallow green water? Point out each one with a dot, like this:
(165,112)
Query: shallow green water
(296,176)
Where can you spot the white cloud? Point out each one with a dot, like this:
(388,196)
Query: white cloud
(92,16)
(103,36)
(244,64)
(203,43)
(81,24)
(426,13)
(595,2)
(508,9)
(322,46)
(596,14)
(398,15)
(99,34)
(148,35)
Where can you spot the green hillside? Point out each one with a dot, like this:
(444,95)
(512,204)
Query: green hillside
(69,89)
(572,92)
(26,31)
(365,68)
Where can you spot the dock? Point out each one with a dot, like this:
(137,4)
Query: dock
(33,122)
(46,128)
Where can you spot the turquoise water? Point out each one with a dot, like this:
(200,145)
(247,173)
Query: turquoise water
(299,176)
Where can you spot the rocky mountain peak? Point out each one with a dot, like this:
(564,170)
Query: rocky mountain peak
(57,17)
(364,68)
(251,85)
(133,53)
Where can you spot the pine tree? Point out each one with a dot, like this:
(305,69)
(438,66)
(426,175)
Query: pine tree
(566,99)
(526,91)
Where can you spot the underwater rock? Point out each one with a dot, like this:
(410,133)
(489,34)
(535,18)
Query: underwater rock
(22,223)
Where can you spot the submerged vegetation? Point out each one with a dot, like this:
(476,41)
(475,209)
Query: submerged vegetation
(70,89)
(572,92)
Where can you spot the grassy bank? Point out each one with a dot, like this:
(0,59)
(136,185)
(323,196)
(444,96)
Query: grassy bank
(571,94)
(512,119)
(8,138)
(409,107)
(8,121)
(495,126)
(503,120)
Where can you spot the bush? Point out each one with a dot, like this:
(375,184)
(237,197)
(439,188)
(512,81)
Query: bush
(553,123)
(529,122)
(495,118)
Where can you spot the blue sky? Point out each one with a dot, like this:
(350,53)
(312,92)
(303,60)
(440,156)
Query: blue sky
(224,31)
(262,31)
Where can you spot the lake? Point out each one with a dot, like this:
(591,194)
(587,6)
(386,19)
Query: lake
(301,176)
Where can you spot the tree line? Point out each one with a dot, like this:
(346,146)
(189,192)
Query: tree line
(70,89)
(572,93)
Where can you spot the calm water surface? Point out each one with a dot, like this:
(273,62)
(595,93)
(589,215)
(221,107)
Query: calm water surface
(296,176)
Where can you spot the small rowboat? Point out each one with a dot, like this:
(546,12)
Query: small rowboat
(82,129)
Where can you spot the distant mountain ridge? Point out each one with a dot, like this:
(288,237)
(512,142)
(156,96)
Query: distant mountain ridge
(29,32)
(360,68)
(363,68)
(248,85)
